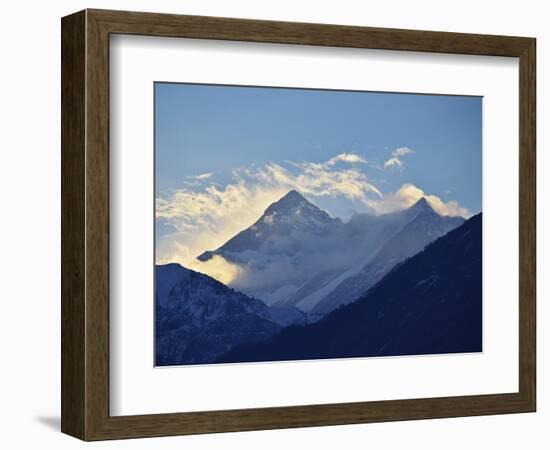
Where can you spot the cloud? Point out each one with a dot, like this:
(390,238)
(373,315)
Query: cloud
(408,194)
(393,162)
(198,180)
(319,180)
(351,158)
(202,176)
(396,159)
(219,268)
(402,151)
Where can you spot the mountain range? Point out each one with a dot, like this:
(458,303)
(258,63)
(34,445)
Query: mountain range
(295,254)
(312,286)
(431,303)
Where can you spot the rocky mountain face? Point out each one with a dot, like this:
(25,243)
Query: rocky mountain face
(198,318)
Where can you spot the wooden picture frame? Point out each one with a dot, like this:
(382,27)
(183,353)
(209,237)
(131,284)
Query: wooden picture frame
(85,224)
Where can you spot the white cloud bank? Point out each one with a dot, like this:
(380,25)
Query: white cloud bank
(205,219)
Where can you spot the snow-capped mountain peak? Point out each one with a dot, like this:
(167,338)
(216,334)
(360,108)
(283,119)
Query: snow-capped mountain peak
(295,208)
(292,214)
(421,205)
(291,200)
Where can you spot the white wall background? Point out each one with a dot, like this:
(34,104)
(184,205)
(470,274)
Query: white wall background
(30,225)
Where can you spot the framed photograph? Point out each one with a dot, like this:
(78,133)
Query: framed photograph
(273,225)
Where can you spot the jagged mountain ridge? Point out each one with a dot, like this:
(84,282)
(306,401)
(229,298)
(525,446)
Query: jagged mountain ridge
(364,236)
(430,303)
(297,255)
(425,227)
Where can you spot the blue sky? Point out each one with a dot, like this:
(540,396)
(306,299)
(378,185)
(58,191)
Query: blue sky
(204,132)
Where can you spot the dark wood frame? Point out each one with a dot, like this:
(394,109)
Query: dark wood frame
(85,224)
